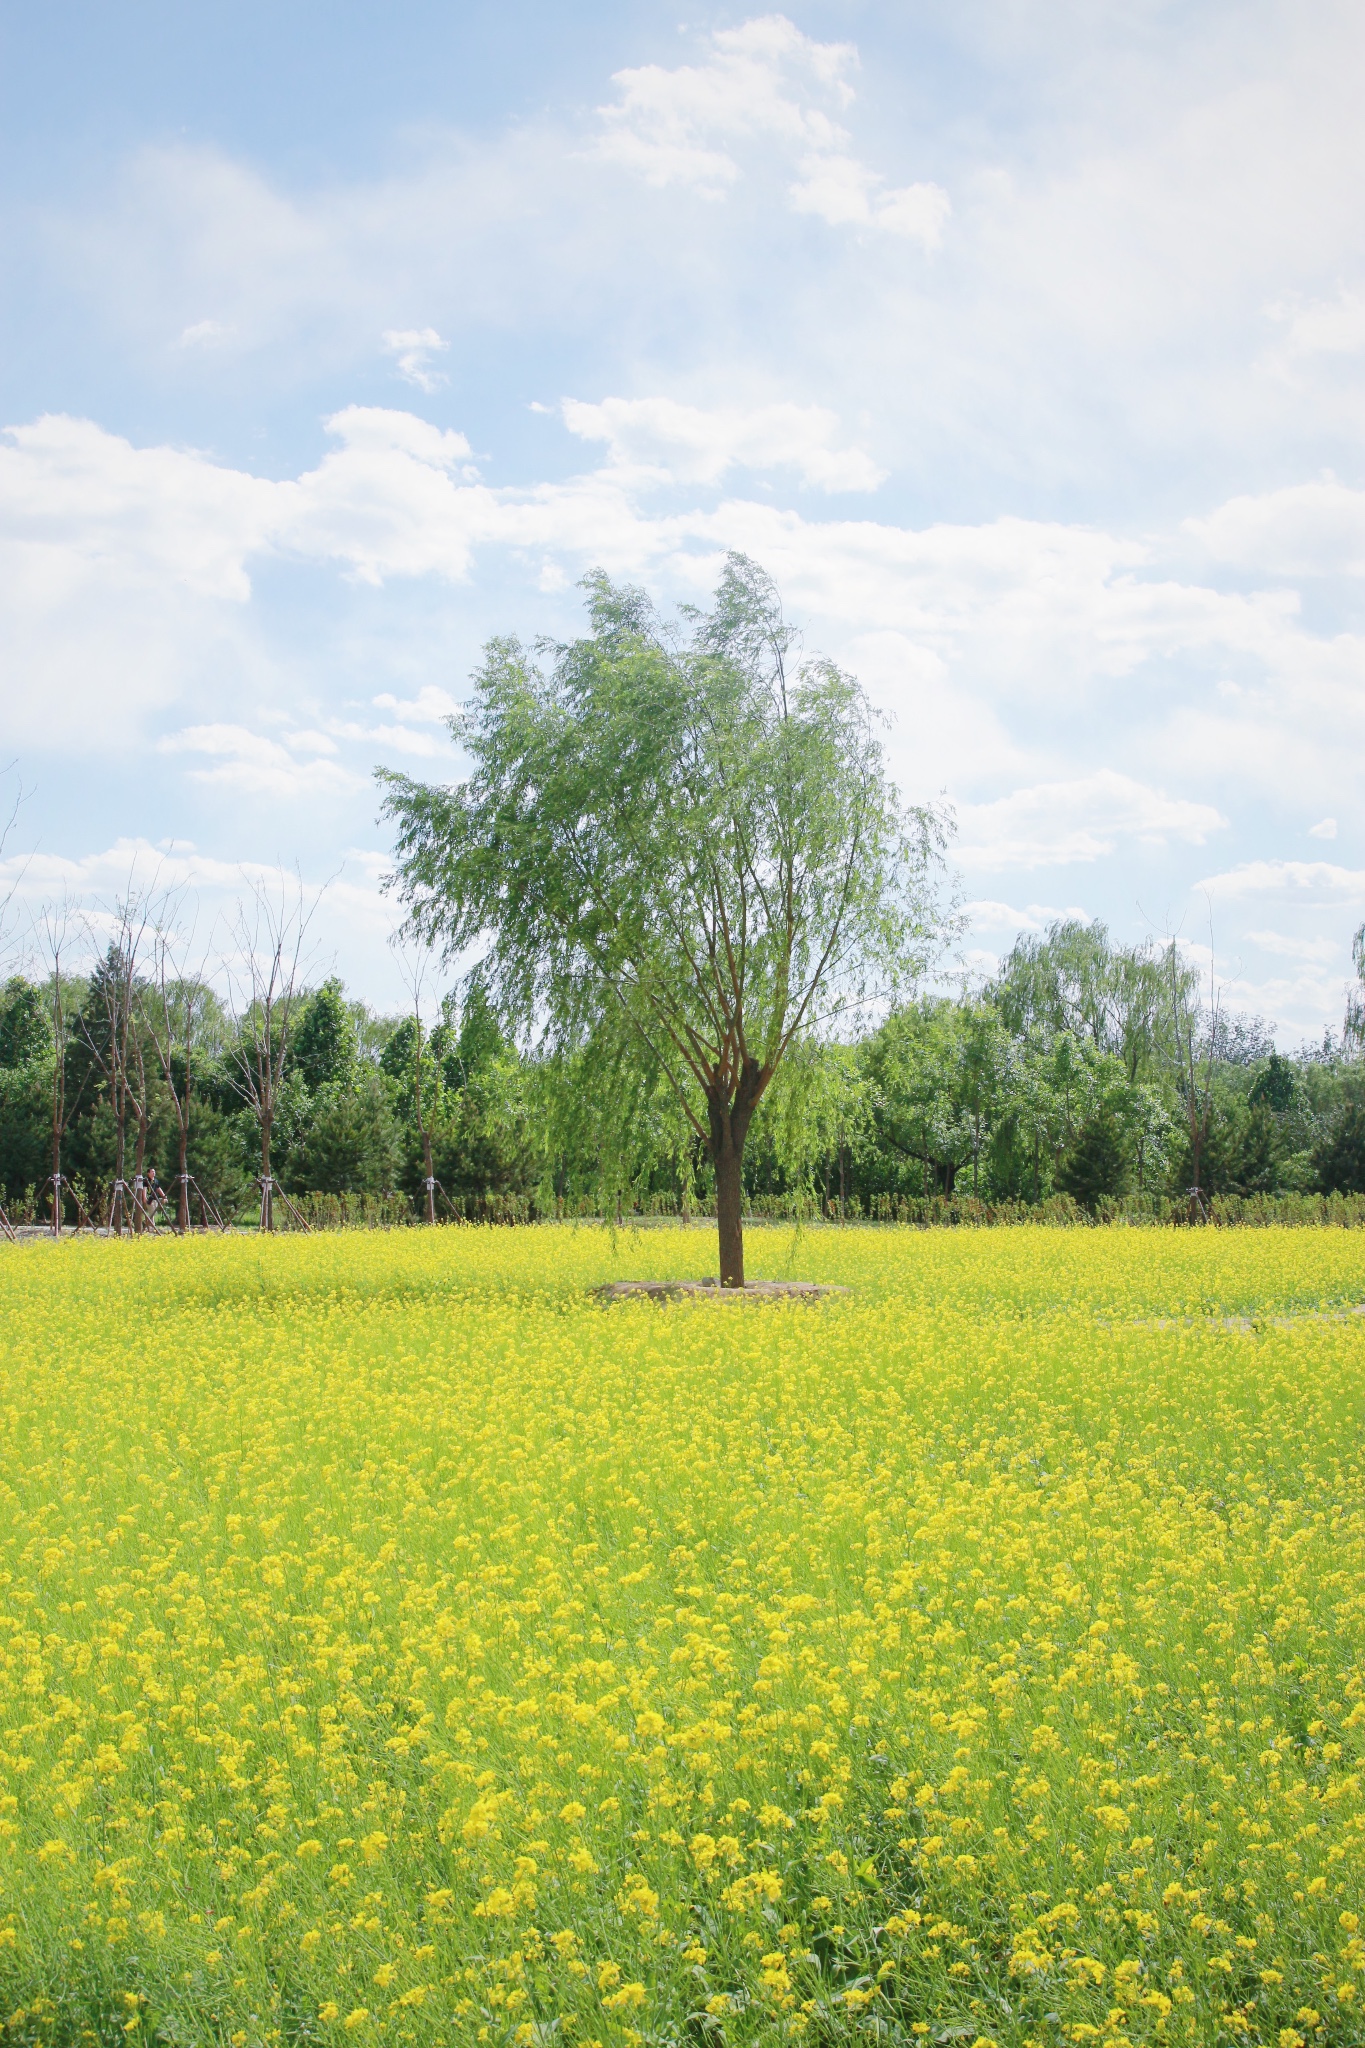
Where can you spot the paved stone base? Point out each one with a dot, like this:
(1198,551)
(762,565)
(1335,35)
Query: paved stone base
(711,1290)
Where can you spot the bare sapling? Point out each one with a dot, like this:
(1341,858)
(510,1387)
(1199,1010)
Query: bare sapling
(53,942)
(175,1007)
(266,983)
(1195,1064)
(108,1029)
(413,962)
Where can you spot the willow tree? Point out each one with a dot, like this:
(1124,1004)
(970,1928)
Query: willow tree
(686,831)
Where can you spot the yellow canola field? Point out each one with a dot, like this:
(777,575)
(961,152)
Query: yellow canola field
(398,1645)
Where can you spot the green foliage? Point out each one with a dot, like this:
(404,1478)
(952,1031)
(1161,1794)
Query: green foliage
(1099,1161)
(938,1074)
(677,832)
(1340,1154)
(401,1052)
(25,1025)
(323,1045)
(350,1144)
(25,1128)
(1276,1086)
(1118,999)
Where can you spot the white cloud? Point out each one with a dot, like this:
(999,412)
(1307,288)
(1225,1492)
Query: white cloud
(662,118)
(125,563)
(1082,820)
(393,738)
(430,706)
(1317,882)
(987,915)
(1326,828)
(687,444)
(204,334)
(414,347)
(66,484)
(351,923)
(762,83)
(256,766)
(840,190)
(1323,326)
(1321,952)
(1312,529)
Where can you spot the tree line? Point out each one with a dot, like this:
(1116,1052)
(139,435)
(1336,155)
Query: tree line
(1084,1068)
(697,924)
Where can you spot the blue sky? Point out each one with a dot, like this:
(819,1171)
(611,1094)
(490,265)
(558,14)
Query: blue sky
(1021,342)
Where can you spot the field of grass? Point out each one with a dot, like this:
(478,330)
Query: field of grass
(398,1645)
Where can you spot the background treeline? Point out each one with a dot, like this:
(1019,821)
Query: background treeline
(1085,1074)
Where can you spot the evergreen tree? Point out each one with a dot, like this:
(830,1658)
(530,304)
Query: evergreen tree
(323,1047)
(1099,1161)
(25,1027)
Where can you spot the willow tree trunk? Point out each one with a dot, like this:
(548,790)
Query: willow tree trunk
(730,1215)
(729,1123)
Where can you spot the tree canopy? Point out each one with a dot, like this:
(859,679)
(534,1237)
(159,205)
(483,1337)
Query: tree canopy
(686,832)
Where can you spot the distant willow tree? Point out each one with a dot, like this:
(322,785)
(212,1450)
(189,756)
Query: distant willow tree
(684,832)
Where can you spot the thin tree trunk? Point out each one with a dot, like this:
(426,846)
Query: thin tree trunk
(431,1178)
(182,1199)
(267,1205)
(139,1173)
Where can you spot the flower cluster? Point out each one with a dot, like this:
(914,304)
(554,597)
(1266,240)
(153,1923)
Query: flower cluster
(397,1644)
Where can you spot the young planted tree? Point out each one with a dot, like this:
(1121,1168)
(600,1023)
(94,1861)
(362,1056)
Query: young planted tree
(109,1029)
(266,979)
(53,943)
(407,1058)
(1195,1063)
(174,1009)
(687,830)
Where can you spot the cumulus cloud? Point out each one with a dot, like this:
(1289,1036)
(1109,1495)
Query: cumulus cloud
(1310,882)
(988,915)
(1319,952)
(102,544)
(764,83)
(431,706)
(399,739)
(68,485)
(1326,828)
(958,627)
(1310,529)
(254,765)
(1059,822)
(689,444)
(413,348)
(840,190)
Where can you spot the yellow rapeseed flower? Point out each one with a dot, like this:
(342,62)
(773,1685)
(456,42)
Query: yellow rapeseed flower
(384,1611)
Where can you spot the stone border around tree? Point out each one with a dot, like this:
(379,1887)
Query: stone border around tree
(711,1290)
